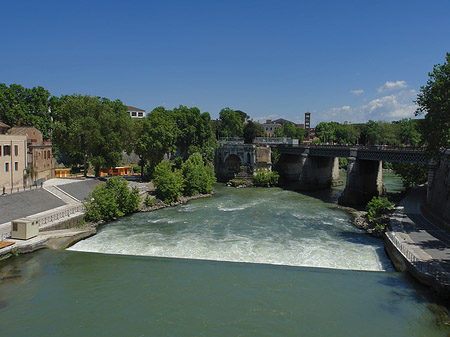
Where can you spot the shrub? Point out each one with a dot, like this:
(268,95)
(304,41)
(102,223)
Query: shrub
(168,183)
(112,200)
(377,207)
(266,179)
(149,201)
(343,163)
(198,177)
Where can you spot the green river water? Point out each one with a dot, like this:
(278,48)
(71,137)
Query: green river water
(246,262)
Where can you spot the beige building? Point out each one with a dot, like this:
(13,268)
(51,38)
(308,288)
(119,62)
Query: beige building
(39,153)
(13,162)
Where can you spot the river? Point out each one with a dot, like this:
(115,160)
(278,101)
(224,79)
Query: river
(246,262)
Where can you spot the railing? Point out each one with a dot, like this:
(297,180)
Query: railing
(426,267)
(17,189)
(231,140)
(276,140)
(60,215)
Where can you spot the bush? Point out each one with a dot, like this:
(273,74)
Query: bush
(149,201)
(198,177)
(266,179)
(168,183)
(343,163)
(112,200)
(377,207)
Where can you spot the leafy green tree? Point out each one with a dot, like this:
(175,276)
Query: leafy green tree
(326,132)
(92,128)
(252,130)
(194,130)
(155,136)
(198,177)
(112,200)
(231,123)
(408,131)
(411,174)
(434,101)
(168,183)
(21,106)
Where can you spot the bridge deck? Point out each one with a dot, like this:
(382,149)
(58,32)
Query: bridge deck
(384,153)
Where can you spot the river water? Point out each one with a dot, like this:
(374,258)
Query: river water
(246,262)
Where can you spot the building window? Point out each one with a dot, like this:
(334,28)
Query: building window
(6,167)
(16,166)
(45,155)
(16,150)
(49,154)
(141,114)
(133,113)
(6,150)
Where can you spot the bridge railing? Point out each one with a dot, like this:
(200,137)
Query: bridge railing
(231,140)
(275,141)
(368,147)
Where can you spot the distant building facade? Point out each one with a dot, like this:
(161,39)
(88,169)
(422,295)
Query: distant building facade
(39,152)
(13,160)
(136,112)
(270,126)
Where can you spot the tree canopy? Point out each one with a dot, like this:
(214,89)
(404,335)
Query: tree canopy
(434,101)
(21,106)
(231,123)
(92,128)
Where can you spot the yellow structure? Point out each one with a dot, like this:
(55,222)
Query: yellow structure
(62,173)
(117,171)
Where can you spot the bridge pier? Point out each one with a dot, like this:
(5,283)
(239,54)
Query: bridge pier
(318,172)
(364,181)
(305,172)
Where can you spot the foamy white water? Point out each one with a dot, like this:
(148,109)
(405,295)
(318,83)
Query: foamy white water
(252,225)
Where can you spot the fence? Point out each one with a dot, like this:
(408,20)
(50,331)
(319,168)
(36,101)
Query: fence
(50,218)
(426,267)
(17,189)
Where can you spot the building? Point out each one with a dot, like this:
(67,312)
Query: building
(39,152)
(13,160)
(270,127)
(136,112)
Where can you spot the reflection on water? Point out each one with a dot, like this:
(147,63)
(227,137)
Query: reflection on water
(84,294)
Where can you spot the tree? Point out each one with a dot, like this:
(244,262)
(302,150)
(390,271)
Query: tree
(411,174)
(194,132)
(434,101)
(92,128)
(169,184)
(252,130)
(231,123)
(21,106)
(198,177)
(112,200)
(155,136)
(408,131)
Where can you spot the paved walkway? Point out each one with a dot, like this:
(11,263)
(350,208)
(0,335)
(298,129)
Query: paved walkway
(427,243)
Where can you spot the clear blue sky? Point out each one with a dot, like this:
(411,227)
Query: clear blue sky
(340,60)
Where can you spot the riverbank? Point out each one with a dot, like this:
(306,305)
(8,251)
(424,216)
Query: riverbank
(66,237)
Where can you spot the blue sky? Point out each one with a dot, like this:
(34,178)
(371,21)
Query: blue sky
(340,60)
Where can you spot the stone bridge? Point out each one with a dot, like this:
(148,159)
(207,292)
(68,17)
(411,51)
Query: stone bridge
(311,167)
(231,157)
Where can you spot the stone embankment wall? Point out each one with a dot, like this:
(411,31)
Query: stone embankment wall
(438,194)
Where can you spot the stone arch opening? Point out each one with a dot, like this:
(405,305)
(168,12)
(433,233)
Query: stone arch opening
(233,164)
(248,158)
